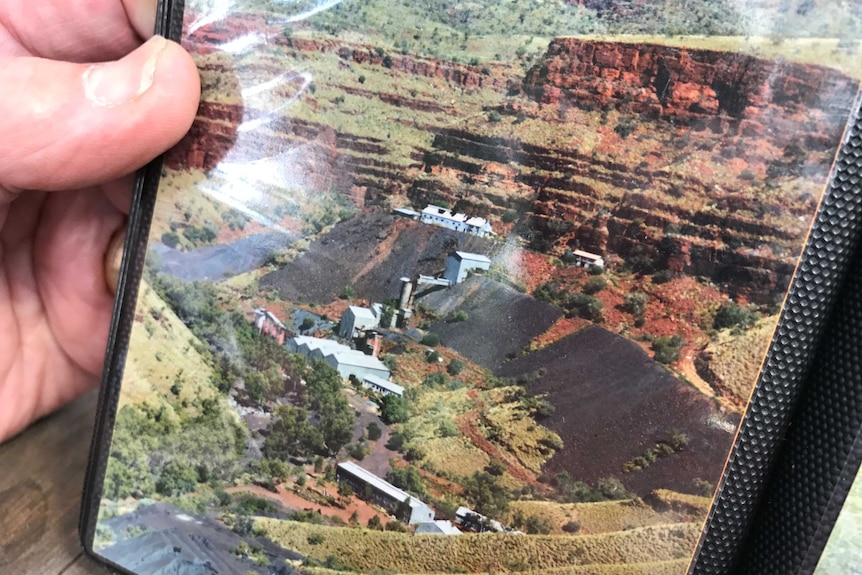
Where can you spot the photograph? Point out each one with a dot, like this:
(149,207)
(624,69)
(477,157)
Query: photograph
(473,287)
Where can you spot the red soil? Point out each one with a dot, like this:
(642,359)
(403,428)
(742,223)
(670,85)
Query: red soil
(292,500)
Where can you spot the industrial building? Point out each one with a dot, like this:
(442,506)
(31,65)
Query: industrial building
(345,360)
(267,324)
(459,222)
(355,319)
(383,386)
(399,503)
(459,264)
(586,259)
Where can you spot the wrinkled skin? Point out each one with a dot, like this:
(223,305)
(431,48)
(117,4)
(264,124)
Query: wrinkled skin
(71,135)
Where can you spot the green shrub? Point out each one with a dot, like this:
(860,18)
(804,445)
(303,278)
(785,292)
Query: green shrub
(374,431)
(667,348)
(455,367)
(459,316)
(594,285)
(170,239)
(733,315)
(431,339)
(572,527)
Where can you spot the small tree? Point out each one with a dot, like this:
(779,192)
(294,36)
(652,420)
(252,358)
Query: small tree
(733,315)
(374,523)
(455,367)
(176,478)
(594,285)
(572,527)
(374,431)
(536,525)
(667,348)
(459,316)
(307,324)
(431,339)
(393,409)
(635,303)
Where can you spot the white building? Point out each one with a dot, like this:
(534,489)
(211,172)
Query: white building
(357,318)
(357,364)
(459,222)
(404,506)
(459,264)
(438,527)
(383,386)
(343,359)
(586,259)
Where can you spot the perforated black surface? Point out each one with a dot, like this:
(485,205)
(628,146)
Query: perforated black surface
(823,267)
(822,451)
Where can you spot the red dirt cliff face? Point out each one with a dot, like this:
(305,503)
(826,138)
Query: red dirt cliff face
(688,84)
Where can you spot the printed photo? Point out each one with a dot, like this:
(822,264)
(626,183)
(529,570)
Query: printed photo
(466,287)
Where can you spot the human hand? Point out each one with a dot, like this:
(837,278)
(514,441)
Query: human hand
(72,133)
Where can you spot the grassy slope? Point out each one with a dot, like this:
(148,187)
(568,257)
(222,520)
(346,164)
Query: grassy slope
(367,550)
(161,352)
(602,517)
(675,567)
(737,358)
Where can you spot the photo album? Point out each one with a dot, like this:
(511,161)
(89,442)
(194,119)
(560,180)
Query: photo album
(477,287)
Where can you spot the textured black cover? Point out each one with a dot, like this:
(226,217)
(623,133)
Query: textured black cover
(819,461)
(791,518)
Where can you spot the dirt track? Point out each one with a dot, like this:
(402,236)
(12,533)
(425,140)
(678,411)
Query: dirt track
(377,461)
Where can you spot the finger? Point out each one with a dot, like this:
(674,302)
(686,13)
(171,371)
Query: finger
(74,235)
(89,31)
(114,259)
(142,16)
(119,192)
(71,126)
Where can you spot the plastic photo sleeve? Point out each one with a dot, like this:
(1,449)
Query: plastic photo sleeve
(461,287)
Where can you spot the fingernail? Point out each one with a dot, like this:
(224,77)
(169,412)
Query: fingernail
(117,83)
(114,259)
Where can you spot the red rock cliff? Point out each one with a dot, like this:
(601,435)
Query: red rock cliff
(688,84)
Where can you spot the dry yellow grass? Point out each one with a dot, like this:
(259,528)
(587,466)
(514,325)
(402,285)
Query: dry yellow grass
(736,359)
(602,517)
(365,550)
(695,505)
(162,351)
(178,196)
(676,567)
(519,435)
(455,455)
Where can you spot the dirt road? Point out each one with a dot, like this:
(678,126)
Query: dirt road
(377,461)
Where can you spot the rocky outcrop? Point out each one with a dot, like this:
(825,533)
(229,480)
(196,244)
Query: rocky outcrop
(719,90)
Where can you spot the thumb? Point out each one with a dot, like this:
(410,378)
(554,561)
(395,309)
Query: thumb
(70,125)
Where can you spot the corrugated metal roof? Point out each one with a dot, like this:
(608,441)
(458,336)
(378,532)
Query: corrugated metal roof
(440,526)
(473,257)
(357,359)
(587,255)
(362,312)
(376,482)
(385,384)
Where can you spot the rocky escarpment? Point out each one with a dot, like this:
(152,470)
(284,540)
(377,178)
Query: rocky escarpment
(512,151)
(719,89)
